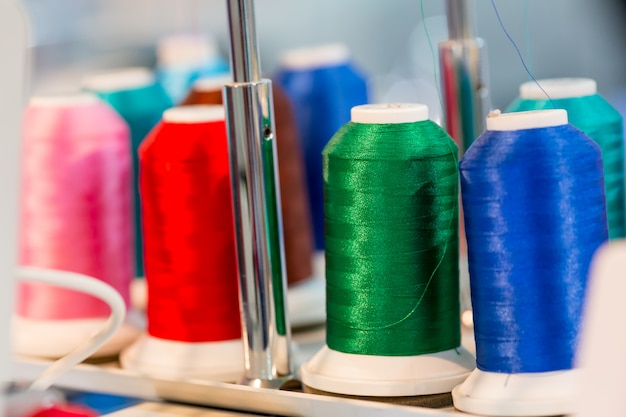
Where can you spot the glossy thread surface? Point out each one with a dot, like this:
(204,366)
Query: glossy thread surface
(534,210)
(76,206)
(602,123)
(391,203)
(141,108)
(189,233)
(322,98)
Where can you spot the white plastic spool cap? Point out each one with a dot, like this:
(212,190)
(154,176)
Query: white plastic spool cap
(533,119)
(186,49)
(315,57)
(214,83)
(65,100)
(194,114)
(389,113)
(558,88)
(119,79)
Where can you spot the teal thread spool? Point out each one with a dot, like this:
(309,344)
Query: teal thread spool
(391,219)
(592,114)
(134,93)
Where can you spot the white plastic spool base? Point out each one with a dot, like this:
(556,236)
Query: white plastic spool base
(56,338)
(210,361)
(558,88)
(387,376)
(526,394)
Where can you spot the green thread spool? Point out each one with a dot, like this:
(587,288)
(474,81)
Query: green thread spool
(391,217)
(592,114)
(391,230)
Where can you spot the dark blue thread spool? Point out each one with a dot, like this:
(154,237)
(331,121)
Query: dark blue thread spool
(323,85)
(534,206)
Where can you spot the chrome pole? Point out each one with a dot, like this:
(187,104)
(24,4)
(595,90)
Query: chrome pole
(256,205)
(462,60)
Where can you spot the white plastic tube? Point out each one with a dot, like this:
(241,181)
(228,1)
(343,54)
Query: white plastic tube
(87,285)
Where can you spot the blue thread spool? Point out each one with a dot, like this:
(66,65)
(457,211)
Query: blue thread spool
(534,206)
(135,94)
(184,58)
(323,86)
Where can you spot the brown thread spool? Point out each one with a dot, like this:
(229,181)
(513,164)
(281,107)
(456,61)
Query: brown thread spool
(297,226)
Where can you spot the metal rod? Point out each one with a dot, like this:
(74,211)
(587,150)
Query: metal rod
(463,66)
(460,19)
(256,205)
(244,47)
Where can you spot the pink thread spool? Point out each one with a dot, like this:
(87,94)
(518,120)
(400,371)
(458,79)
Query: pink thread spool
(76,216)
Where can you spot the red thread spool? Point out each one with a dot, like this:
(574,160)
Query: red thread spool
(194,324)
(297,226)
(76,216)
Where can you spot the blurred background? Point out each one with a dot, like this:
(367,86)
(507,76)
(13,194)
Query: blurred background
(387,39)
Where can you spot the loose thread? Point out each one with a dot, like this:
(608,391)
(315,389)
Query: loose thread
(527,33)
(434,60)
(519,53)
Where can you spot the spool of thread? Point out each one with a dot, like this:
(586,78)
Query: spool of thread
(323,85)
(391,186)
(194,327)
(140,100)
(184,58)
(297,227)
(76,216)
(533,199)
(592,114)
